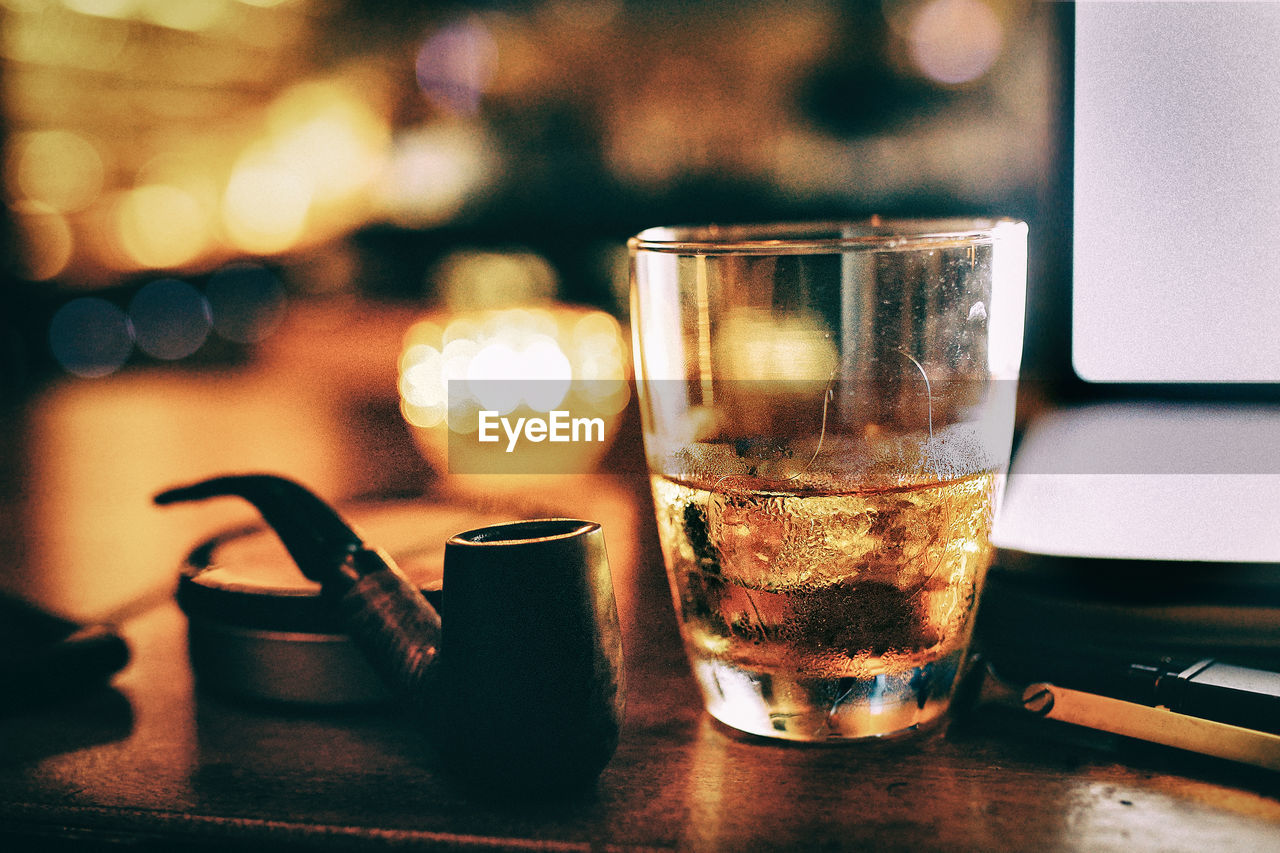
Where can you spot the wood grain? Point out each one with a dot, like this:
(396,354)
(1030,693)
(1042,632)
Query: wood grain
(159,761)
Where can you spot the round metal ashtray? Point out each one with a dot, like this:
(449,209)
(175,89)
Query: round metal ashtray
(258,629)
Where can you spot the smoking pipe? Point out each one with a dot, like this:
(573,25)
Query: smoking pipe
(522,690)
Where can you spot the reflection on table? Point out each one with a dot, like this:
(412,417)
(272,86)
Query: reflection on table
(160,757)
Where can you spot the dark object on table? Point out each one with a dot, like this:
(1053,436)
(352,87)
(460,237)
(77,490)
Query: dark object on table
(44,657)
(258,629)
(532,654)
(534,699)
(1245,696)
(1215,709)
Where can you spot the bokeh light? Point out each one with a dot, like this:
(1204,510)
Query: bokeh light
(456,63)
(470,279)
(55,167)
(528,360)
(247,302)
(190,15)
(586,14)
(423,392)
(597,349)
(426,332)
(432,172)
(178,134)
(90,337)
(104,8)
(955,41)
(265,206)
(161,225)
(512,364)
(170,319)
(755,345)
(45,241)
(326,131)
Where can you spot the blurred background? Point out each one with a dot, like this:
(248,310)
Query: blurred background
(229,223)
(248,154)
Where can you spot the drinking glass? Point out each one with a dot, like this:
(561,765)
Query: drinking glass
(827,412)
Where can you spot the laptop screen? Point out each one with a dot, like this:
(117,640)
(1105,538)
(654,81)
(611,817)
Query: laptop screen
(1177,192)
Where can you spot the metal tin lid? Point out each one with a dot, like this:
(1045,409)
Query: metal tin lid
(259,629)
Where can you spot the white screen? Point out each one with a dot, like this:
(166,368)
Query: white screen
(1177,191)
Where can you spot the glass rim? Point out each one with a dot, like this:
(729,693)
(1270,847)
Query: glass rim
(821,237)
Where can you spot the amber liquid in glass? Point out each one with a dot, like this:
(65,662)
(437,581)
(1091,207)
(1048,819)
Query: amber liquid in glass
(813,615)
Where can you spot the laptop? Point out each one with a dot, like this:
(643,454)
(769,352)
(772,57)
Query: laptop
(1146,511)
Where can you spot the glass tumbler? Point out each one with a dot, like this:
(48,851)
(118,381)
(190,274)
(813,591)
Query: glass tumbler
(828,412)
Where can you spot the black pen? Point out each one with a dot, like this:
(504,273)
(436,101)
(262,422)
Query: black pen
(1202,705)
(1210,689)
(1197,686)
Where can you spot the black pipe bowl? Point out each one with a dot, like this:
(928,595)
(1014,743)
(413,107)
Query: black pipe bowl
(531,692)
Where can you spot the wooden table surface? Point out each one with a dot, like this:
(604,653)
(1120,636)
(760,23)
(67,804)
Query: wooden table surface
(158,761)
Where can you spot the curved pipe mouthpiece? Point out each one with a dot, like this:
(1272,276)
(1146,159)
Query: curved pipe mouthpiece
(529,692)
(394,626)
(317,538)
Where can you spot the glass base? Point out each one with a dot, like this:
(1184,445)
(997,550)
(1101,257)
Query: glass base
(794,707)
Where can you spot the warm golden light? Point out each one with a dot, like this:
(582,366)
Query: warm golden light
(421,332)
(529,360)
(457,357)
(324,130)
(190,15)
(756,345)
(178,134)
(162,226)
(460,329)
(55,167)
(103,8)
(423,395)
(265,206)
(469,279)
(598,352)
